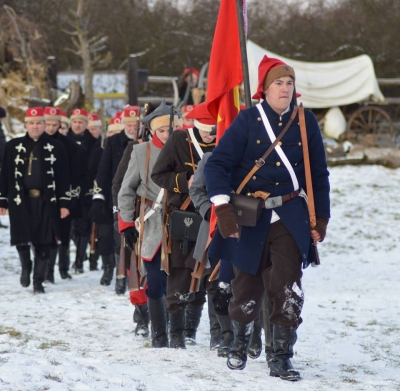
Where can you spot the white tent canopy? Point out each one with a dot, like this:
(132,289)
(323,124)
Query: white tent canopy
(326,84)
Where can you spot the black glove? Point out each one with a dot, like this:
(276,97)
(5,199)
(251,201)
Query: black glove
(131,236)
(98,212)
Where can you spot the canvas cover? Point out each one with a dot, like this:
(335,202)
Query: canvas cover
(325,84)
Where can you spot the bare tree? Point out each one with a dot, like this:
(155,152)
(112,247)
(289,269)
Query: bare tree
(89,48)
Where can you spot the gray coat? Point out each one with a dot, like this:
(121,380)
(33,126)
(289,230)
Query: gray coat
(134,185)
(198,194)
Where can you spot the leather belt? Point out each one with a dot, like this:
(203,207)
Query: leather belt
(275,202)
(34,193)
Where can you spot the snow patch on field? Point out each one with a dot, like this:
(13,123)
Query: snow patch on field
(79,335)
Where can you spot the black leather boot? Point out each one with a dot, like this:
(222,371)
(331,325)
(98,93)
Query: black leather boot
(51,264)
(24,253)
(82,243)
(158,319)
(255,347)
(215,327)
(281,366)
(192,321)
(120,283)
(108,262)
(269,346)
(141,317)
(39,270)
(63,261)
(93,258)
(226,335)
(237,356)
(177,330)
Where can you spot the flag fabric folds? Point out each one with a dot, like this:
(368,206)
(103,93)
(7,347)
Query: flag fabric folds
(225,73)
(225,70)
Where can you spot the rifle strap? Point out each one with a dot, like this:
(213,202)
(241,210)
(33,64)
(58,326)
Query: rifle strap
(200,266)
(260,162)
(215,273)
(307,168)
(143,199)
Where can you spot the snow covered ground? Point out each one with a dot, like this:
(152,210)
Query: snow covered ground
(79,335)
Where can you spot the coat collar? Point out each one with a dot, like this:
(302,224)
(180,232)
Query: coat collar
(273,115)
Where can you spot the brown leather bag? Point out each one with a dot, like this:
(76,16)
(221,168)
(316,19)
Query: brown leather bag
(248,209)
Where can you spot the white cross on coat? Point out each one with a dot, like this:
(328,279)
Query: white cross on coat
(51,159)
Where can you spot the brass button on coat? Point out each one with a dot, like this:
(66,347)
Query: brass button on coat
(279,142)
(254,178)
(258,141)
(278,163)
(277,183)
(280,124)
(259,119)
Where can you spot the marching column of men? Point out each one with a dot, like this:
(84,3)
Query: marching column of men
(58,182)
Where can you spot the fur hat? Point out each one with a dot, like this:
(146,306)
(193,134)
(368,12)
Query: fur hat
(160,117)
(115,125)
(186,71)
(269,70)
(52,113)
(203,120)
(79,114)
(94,120)
(34,114)
(64,117)
(185,110)
(131,114)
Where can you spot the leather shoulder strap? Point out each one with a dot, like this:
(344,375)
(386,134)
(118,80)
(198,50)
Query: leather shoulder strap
(307,167)
(260,162)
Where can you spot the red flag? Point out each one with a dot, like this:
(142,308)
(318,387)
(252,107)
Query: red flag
(225,70)
(225,73)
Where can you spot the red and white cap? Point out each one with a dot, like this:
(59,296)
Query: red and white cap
(94,120)
(118,114)
(116,125)
(79,114)
(203,120)
(34,114)
(64,117)
(52,113)
(131,114)
(185,110)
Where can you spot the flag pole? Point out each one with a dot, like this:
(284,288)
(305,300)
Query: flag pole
(243,51)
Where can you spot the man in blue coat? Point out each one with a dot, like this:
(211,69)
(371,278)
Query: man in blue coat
(269,257)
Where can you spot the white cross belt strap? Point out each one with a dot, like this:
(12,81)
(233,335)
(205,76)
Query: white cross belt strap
(195,143)
(156,205)
(278,147)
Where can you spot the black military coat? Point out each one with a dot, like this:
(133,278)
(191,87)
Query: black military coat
(87,143)
(119,175)
(174,165)
(55,179)
(172,170)
(110,159)
(74,151)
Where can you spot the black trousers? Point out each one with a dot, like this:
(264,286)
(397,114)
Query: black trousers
(156,278)
(279,275)
(178,290)
(105,239)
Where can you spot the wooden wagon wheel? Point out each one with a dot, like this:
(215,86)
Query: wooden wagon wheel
(370,119)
